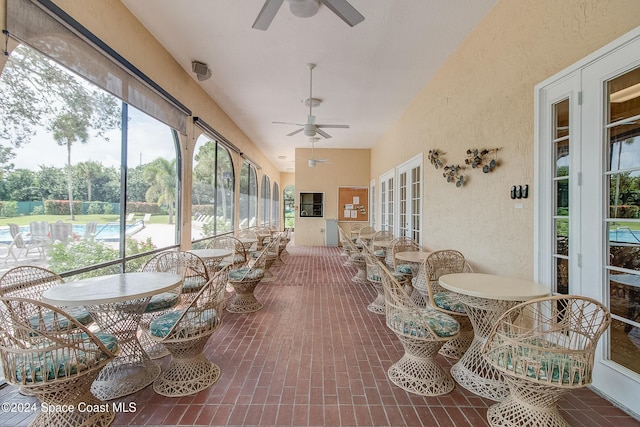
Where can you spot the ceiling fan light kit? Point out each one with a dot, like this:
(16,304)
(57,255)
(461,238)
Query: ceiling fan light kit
(307,9)
(311,128)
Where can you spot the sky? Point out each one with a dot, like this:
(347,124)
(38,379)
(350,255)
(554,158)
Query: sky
(148,140)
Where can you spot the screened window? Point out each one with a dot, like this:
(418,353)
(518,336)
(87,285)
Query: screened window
(63,144)
(288,205)
(212,189)
(275,206)
(265,200)
(248,196)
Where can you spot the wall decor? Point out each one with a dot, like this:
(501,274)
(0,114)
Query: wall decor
(479,159)
(453,173)
(434,158)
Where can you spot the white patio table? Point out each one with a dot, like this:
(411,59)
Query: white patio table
(116,303)
(486,297)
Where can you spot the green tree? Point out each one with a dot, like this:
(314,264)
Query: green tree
(161,176)
(89,171)
(22,186)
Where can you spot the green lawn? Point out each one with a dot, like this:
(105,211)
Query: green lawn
(80,219)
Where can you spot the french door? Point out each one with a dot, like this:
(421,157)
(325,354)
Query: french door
(588,200)
(410,199)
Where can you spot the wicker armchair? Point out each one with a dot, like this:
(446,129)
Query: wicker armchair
(347,244)
(30,282)
(544,348)
(58,365)
(244,281)
(250,235)
(374,276)
(380,236)
(168,262)
(422,332)
(426,284)
(357,260)
(365,234)
(185,333)
(238,255)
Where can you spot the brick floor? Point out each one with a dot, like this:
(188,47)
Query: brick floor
(315,356)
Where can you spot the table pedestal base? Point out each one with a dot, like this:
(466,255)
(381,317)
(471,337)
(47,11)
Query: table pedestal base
(183,378)
(475,374)
(417,372)
(132,370)
(244,300)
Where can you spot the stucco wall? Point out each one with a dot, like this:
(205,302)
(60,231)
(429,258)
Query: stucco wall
(348,168)
(483,98)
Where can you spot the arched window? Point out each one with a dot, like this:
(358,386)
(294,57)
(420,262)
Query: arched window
(265,200)
(211,189)
(288,202)
(275,206)
(248,196)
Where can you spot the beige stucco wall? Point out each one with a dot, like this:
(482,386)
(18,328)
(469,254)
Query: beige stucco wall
(348,168)
(483,98)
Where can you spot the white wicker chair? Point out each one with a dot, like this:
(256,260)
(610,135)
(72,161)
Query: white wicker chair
(185,333)
(438,263)
(422,331)
(57,364)
(238,255)
(544,348)
(244,281)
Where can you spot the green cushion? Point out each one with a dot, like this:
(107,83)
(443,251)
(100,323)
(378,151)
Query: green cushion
(162,301)
(246,273)
(442,324)
(78,313)
(449,301)
(358,257)
(161,326)
(379,252)
(37,366)
(193,284)
(375,277)
(404,269)
(557,364)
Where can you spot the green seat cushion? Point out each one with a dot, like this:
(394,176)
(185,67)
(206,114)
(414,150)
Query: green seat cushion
(162,301)
(246,273)
(191,324)
(78,313)
(404,269)
(38,366)
(540,362)
(193,284)
(379,252)
(440,323)
(375,277)
(449,301)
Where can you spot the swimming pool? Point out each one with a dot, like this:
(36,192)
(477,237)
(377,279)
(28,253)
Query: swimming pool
(109,232)
(624,235)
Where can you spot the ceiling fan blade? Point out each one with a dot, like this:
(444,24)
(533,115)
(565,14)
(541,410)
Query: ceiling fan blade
(323,133)
(345,11)
(295,131)
(266,15)
(333,126)
(288,123)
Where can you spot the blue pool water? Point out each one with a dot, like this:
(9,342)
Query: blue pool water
(106,232)
(624,235)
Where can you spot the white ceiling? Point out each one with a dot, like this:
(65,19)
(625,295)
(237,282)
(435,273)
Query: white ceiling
(365,76)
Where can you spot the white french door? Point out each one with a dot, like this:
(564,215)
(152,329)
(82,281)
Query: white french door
(588,200)
(387,201)
(410,199)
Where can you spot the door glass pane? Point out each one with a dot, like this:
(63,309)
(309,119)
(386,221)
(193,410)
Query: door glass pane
(562,197)
(622,226)
(562,158)
(562,275)
(562,236)
(562,119)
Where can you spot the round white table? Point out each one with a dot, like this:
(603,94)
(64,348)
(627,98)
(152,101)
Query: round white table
(116,303)
(486,297)
(247,242)
(211,257)
(416,257)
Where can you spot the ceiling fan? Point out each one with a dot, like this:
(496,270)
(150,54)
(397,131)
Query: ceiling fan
(311,128)
(306,9)
(313,161)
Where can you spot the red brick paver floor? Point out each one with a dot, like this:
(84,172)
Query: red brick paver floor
(315,356)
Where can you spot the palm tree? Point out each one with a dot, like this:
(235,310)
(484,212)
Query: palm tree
(68,128)
(205,170)
(162,178)
(89,171)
